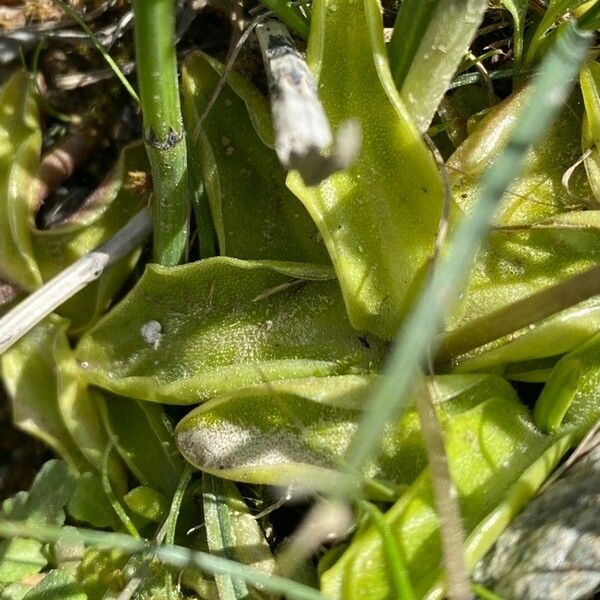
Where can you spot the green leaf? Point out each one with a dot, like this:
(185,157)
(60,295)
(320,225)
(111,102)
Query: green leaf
(590,129)
(410,27)
(57,585)
(232,532)
(20,145)
(296,432)
(45,501)
(101,573)
(497,459)
(29,373)
(44,504)
(147,503)
(380,217)
(230,323)
(538,192)
(14,591)
(541,239)
(143,437)
(518,11)
(28,255)
(450,31)
(583,407)
(20,558)
(516,264)
(50,401)
(89,503)
(255,215)
(540,40)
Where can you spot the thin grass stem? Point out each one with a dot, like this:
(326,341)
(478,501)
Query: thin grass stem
(520,314)
(107,57)
(175,556)
(163,126)
(398,572)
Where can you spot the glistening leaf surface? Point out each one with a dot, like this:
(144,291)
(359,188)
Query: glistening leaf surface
(224,323)
(296,432)
(255,215)
(380,217)
(489,448)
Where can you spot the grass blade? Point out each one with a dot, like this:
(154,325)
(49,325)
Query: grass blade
(410,27)
(175,556)
(442,47)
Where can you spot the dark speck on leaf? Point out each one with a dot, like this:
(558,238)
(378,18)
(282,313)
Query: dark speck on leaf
(363,340)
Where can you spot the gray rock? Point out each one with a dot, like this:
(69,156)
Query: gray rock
(552,549)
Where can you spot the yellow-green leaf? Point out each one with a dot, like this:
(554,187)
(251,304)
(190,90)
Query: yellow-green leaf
(222,323)
(380,217)
(20,145)
(255,215)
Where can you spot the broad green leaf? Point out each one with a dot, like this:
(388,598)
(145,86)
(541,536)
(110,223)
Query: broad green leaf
(380,217)
(530,353)
(50,400)
(20,558)
(255,215)
(30,373)
(539,241)
(538,193)
(116,200)
(89,503)
(232,532)
(296,432)
(518,263)
(147,503)
(57,585)
(43,504)
(20,145)
(497,459)
(143,437)
(223,323)
(449,34)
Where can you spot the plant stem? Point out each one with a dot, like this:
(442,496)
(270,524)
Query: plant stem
(446,497)
(163,126)
(398,572)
